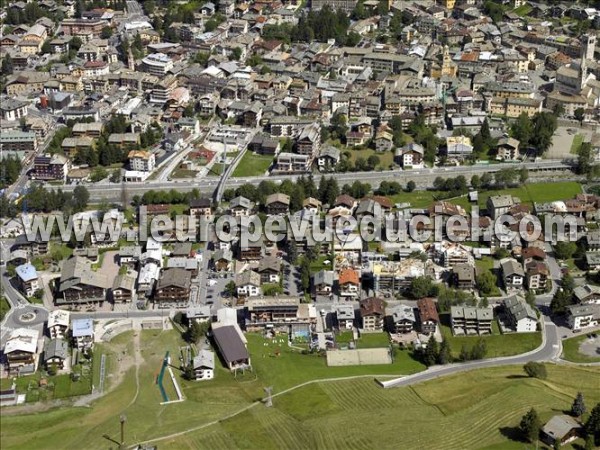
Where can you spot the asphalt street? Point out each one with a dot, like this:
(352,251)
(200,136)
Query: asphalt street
(423,178)
(550,350)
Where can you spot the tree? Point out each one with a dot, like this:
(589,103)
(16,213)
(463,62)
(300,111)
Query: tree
(230,288)
(444,356)
(475,182)
(411,186)
(565,250)
(81,196)
(464,353)
(592,426)
(535,370)
(579,114)
(106,32)
(530,298)
(486,179)
(523,175)
(522,129)
(486,282)
(373,161)
(422,287)
(7,65)
(530,425)
(292,251)
(479,350)
(236,53)
(431,352)
(578,408)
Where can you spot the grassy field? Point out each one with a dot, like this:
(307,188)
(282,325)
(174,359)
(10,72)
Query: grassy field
(497,344)
(252,165)
(4,307)
(478,409)
(571,350)
(184,173)
(373,340)
(385,158)
(523,10)
(205,401)
(576,144)
(536,192)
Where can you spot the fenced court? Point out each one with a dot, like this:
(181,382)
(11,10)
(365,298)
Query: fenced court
(359,357)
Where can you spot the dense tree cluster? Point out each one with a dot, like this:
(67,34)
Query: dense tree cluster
(10,170)
(564,295)
(425,135)
(170,197)
(535,133)
(29,14)
(315,26)
(40,199)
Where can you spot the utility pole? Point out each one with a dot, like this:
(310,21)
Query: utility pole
(122,419)
(269,399)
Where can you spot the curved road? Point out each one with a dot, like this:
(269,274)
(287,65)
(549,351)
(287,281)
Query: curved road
(550,350)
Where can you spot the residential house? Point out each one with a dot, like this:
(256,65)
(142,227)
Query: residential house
(141,160)
(519,315)
(428,315)
(583,316)
(269,269)
(241,206)
(27,279)
(560,430)
(344,316)
(50,167)
(498,205)
(349,284)
(173,287)
(248,284)
(471,320)
(58,323)
(34,247)
(587,294)
(278,204)
(309,141)
(372,314)
(322,283)
(329,157)
(410,156)
(203,364)
(82,332)
(20,350)
(201,207)
(222,260)
(79,283)
(402,318)
(464,276)
(251,251)
(507,149)
(273,311)
(593,240)
(123,288)
(56,352)
(512,273)
(536,275)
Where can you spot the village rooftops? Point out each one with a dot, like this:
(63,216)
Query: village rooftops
(22,340)
(83,327)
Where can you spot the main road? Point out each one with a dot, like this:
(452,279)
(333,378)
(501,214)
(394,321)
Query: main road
(422,177)
(550,350)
